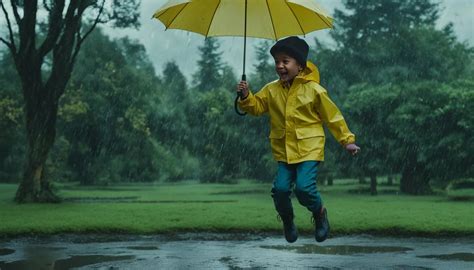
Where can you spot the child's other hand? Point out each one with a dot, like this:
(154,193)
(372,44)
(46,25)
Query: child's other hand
(243,88)
(352,148)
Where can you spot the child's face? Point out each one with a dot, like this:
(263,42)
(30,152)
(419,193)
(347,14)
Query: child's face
(286,67)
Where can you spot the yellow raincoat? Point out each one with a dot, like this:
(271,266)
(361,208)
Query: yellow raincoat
(297,115)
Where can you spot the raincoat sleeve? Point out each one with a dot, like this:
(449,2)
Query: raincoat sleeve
(255,104)
(334,120)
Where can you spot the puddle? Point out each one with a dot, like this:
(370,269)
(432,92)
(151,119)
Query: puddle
(78,261)
(6,251)
(339,250)
(143,248)
(63,264)
(233,251)
(467,257)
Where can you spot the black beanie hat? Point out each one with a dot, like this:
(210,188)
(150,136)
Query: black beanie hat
(294,47)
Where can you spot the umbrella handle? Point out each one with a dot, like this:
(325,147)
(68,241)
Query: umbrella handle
(239,96)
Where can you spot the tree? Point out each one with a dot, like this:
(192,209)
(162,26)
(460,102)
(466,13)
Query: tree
(44,82)
(385,46)
(209,74)
(422,130)
(105,113)
(368,108)
(175,98)
(264,68)
(433,125)
(394,40)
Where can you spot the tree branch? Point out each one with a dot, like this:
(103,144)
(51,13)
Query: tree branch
(46,6)
(28,30)
(80,40)
(11,45)
(62,51)
(55,23)
(14,4)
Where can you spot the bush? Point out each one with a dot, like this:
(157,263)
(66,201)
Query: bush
(467,183)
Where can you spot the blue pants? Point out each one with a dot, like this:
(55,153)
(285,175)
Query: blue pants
(303,177)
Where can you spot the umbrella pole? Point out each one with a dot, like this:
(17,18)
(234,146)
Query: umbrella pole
(244,77)
(245,42)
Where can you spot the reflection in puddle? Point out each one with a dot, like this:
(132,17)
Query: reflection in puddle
(77,261)
(143,248)
(63,264)
(467,257)
(6,251)
(338,250)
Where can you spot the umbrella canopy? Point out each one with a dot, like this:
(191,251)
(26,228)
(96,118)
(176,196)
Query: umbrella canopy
(270,19)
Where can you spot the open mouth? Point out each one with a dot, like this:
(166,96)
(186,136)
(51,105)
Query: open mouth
(283,74)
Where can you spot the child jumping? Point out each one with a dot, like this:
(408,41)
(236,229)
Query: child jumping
(297,106)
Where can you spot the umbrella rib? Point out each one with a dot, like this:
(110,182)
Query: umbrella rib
(271,19)
(322,19)
(296,18)
(176,16)
(212,19)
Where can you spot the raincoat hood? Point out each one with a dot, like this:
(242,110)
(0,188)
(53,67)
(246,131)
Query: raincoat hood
(310,73)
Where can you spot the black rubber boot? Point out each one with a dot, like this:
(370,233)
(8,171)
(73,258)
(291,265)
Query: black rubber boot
(289,227)
(321,222)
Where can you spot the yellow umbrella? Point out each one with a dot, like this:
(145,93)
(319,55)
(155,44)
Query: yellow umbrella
(270,19)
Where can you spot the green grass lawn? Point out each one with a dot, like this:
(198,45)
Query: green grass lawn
(243,207)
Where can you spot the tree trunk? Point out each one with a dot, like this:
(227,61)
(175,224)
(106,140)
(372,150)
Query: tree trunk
(373,184)
(41,114)
(390,180)
(330,180)
(415,181)
(322,181)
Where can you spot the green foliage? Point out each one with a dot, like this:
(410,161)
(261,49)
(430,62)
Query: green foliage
(397,79)
(12,135)
(434,119)
(403,86)
(467,183)
(264,67)
(105,114)
(461,189)
(365,21)
(379,42)
(210,65)
(367,109)
(423,130)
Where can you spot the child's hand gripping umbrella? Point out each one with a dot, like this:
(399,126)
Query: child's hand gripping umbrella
(269,19)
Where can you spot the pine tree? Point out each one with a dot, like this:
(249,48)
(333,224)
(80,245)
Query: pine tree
(264,68)
(392,41)
(210,65)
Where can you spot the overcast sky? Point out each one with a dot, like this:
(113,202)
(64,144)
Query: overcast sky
(181,46)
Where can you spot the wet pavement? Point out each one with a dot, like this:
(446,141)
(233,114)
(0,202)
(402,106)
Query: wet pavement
(233,251)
